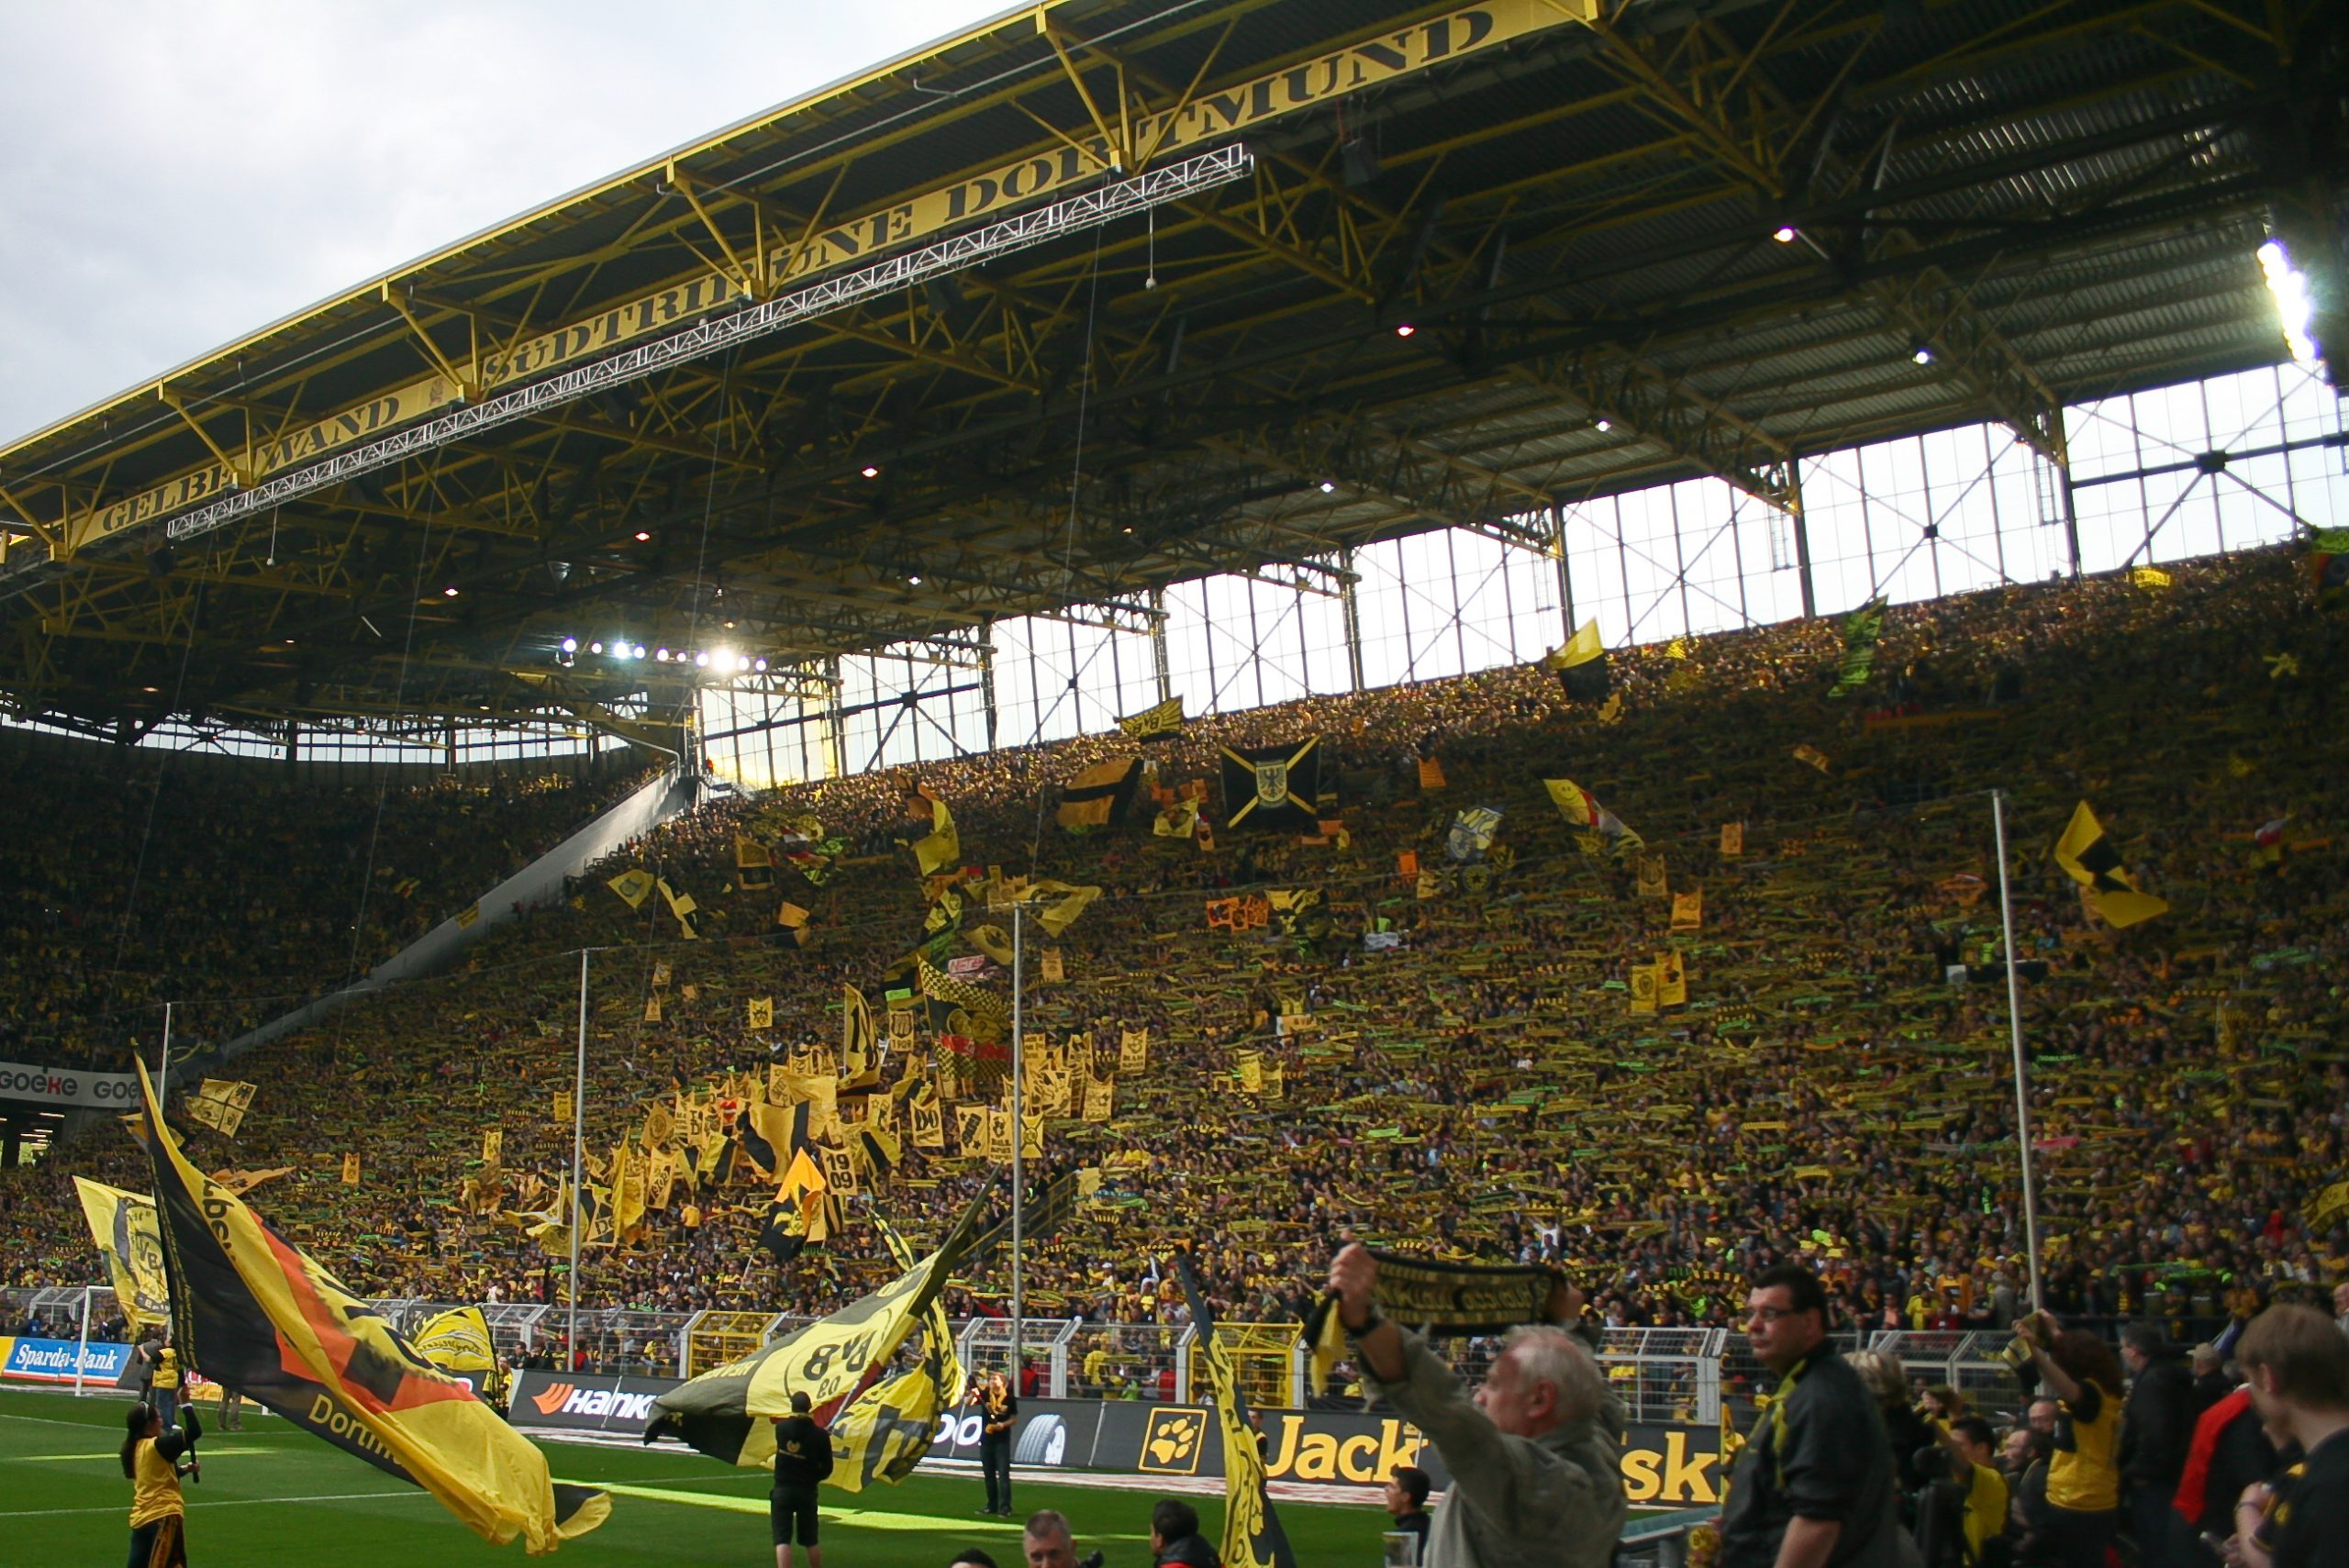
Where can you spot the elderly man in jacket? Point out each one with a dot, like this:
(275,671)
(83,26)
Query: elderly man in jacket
(1536,1455)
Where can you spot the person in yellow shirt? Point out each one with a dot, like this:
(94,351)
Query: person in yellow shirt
(1985,1497)
(2084,1473)
(165,1380)
(154,1457)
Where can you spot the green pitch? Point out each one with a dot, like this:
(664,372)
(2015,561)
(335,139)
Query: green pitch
(271,1496)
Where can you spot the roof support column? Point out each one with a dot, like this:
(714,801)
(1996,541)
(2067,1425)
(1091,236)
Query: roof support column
(1158,659)
(1352,614)
(1566,577)
(1802,537)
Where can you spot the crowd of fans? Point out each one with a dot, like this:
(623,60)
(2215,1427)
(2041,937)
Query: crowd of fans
(235,892)
(1836,1088)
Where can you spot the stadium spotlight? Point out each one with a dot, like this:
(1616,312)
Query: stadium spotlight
(760,665)
(869,471)
(449,592)
(1602,424)
(571,645)
(595,648)
(637,652)
(1786,234)
(1404,329)
(2293,307)
(701,661)
(1923,353)
(1329,486)
(661,656)
(642,536)
(913,579)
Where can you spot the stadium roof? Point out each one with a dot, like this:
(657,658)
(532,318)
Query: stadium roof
(1673,239)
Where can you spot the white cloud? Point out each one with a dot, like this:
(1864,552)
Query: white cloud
(178,175)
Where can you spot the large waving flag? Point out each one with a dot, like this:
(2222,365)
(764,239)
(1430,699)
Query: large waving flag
(124,1225)
(1253,1537)
(884,1433)
(254,1314)
(729,1412)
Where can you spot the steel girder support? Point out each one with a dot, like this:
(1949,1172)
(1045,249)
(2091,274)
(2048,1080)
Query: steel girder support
(1669,413)
(1967,349)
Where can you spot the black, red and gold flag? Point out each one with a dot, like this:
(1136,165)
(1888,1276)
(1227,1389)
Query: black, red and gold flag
(254,1314)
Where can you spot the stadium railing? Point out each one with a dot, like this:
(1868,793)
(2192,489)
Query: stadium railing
(1663,1376)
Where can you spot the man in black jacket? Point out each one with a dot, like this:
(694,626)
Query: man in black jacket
(1175,1535)
(802,1457)
(2156,1428)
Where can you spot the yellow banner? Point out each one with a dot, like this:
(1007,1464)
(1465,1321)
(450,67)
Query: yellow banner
(1053,168)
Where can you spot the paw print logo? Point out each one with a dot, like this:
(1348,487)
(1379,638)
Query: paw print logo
(1171,1444)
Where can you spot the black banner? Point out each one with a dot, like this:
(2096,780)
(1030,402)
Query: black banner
(1664,1466)
(584,1402)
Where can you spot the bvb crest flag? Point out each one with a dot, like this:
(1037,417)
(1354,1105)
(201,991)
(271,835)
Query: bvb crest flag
(1272,787)
(1096,797)
(459,1343)
(753,863)
(1253,1537)
(124,1225)
(1158,721)
(1581,665)
(728,1413)
(2088,858)
(254,1314)
(885,1431)
(634,885)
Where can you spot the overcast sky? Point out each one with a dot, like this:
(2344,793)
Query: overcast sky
(174,175)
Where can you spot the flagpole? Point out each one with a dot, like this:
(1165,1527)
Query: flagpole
(164,1062)
(2023,1069)
(1018,1130)
(578,1154)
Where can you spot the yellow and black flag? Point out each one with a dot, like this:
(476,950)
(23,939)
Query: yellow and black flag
(124,1225)
(458,1341)
(753,863)
(942,849)
(1581,665)
(254,1314)
(2089,859)
(1274,787)
(1253,1537)
(728,1413)
(1158,721)
(884,1433)
(1095,798)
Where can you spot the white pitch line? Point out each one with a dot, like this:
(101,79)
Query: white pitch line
(222,1503)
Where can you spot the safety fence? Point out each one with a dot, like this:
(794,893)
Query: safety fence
(1662,1377)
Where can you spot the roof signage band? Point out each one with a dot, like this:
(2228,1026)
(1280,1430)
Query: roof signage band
(1088,210)
(1227,112)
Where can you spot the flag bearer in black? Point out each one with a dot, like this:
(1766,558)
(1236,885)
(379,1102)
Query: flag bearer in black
(802,1457)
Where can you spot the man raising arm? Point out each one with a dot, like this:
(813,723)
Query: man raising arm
(1536,1455)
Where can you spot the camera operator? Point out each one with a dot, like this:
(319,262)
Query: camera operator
(1937,1505)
